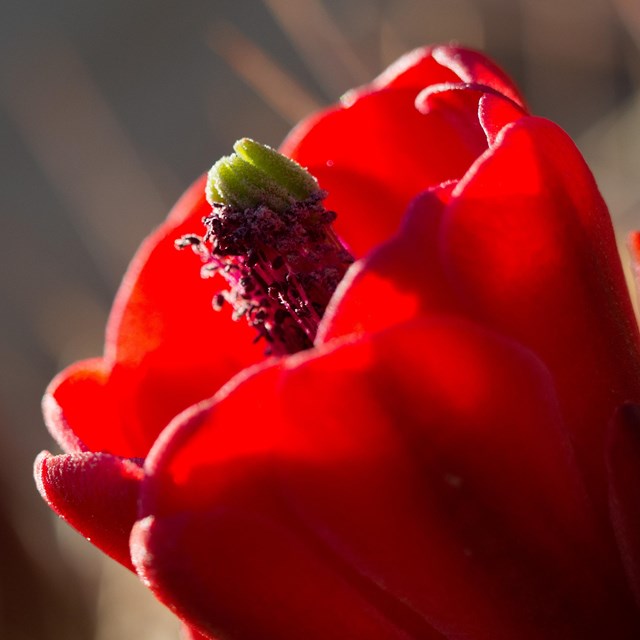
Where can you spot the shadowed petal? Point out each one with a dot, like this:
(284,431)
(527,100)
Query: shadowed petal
(223,550)
(529,249)
(435,461)
(623,466)
(523,244)
(386,490)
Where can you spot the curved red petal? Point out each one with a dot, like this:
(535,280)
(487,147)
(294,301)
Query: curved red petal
(95,493)
(473,66)
(256,579)
(85,379)
(222,550)
(623,467)
(435,461)
(403,277)
(392,479)
(387,152)
(495,113)
(528,246)
(166,348)
(399,280)
(427,66)
(460,105)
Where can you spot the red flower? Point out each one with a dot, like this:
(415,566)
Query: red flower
(456,457)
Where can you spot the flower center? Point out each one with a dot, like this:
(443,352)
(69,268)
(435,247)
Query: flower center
(270,238)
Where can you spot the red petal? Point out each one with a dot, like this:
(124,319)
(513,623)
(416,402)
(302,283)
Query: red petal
(528,245)
(222,550)
(634,246)
(460,105)
(166,348)
(623,466)
(86,380)
(495,113)
(375,155)
(525,245)
(95,493)
(189,633)
(397,281)
(473,66)
(403,278)
(429,480)
(428,66)
(434,460)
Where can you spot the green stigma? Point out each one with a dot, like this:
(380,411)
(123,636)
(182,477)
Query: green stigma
(258,175)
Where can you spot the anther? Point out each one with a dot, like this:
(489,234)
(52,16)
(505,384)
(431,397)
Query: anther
(269,236)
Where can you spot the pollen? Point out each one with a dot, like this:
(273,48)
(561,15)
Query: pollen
(271,239)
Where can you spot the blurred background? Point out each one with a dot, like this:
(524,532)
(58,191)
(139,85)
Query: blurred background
(108,109)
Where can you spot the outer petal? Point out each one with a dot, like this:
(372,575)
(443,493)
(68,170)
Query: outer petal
(225,553)
(403,470)
(96,493)
(392,481)
(528,245)
(523,244)
(165,349)
(623,467)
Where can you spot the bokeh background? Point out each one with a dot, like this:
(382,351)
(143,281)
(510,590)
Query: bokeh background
(108,109)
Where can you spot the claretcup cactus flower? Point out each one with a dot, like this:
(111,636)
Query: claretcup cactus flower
(447,446)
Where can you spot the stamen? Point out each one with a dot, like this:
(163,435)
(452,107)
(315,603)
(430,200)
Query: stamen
(270,238)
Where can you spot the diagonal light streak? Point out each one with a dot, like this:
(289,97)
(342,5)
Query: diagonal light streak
(276,87)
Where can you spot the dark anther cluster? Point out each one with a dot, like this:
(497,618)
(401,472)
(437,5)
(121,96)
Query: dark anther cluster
(281,267)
